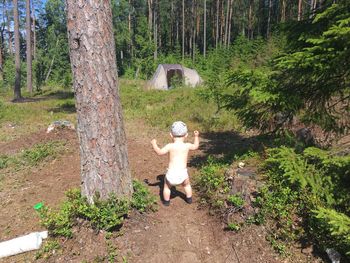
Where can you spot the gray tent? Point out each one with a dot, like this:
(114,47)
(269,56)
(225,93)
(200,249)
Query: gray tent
(166,72)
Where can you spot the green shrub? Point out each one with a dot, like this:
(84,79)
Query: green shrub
(305,197)
(102,214)
(40,152)
(108,214)
(233,227)
(235,200)
(142,199)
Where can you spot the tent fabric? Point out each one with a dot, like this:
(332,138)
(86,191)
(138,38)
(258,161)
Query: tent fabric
(162,77)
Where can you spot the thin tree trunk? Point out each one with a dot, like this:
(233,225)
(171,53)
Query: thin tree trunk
(205,29)
(226,22)
(250,20)
(34,31)
(155,33)
(29,47)
(17,88)
(300,9)
(268,31)
(150,19)
(283,11)
(103,151)
(230,24)
(1,59)
(183,29)
(222,22)
(9,33)
(217,23)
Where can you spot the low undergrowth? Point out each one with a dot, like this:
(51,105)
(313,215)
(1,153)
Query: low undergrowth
(305,196)
(105,215)
(32,156)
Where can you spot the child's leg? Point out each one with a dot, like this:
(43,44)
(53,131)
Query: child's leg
(166,190)
(188,189)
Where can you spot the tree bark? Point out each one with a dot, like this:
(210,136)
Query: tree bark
(29,47)
(268,31)
(226,22)
(34,31)
(9,33)
(183,29)
(103,151)
(205,29)
(17,88)
(283,11)
(300,9)
(150,18)
(230,24)
(217,23)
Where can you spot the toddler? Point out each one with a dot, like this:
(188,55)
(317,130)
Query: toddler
(178,153)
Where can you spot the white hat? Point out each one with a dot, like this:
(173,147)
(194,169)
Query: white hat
(178,129)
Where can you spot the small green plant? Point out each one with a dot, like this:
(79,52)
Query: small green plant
(40,152)
(102,214)
(48,249)
(142,199)
(233,226)
(235,200)
(4,160)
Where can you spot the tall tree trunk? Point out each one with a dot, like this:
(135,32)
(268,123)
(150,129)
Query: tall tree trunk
(217,23)
(17,88)
(183,29)
(205,29)
(250,20)
(9,33)
(1,59)
(300,9)
(283,11)
(226,22)
(155,31)
(268,31)
(34,30)
(29,47)
(230,24)
(103,151)
(150,19)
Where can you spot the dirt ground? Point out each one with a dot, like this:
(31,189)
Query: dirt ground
(179,233)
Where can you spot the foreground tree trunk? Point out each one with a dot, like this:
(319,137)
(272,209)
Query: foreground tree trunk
(17,88)
(29,47)
(103,151)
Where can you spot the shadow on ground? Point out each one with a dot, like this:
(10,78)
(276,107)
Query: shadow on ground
(67,107)
(226,146)
(160,183)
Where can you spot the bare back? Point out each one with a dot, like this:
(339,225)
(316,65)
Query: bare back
(178,153)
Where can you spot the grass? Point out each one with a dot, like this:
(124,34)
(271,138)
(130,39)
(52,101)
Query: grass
(32,156)
(158,108)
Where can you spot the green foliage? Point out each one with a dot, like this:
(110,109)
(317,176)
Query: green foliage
(309,79)
(211,183)
(233,227)
(161,108)
(142,199)
(102,214)
(32,156)
(337,225)
(41,152)
(307,195)
(48,248)
(235,200)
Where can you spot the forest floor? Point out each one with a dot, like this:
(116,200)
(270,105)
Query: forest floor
(178,233)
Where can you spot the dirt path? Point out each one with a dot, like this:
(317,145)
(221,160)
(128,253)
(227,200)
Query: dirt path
(179,233)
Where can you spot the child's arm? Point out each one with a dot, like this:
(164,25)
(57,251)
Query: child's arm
(195,144)
(159,151)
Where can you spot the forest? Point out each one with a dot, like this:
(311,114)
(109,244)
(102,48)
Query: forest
(276,90)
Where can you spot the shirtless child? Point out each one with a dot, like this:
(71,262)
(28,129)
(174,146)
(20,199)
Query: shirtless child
(178,153)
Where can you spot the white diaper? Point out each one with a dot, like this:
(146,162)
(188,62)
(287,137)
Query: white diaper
(176,176)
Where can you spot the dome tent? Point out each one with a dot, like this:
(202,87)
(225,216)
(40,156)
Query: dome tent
(165,73)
